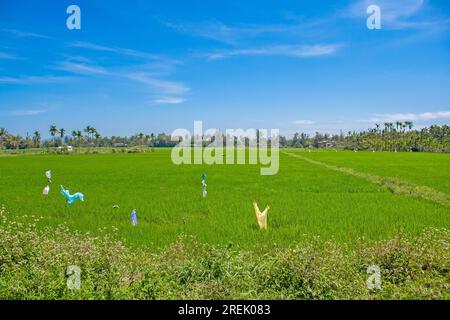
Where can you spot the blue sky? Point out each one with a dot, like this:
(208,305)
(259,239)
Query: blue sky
(155,66)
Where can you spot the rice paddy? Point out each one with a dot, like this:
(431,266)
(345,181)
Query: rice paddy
(306,200)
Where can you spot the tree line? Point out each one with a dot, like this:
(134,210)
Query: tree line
(88,137)
(398,136)
(390,136)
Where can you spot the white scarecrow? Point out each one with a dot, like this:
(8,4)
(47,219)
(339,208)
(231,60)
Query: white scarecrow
(46,190)
(204,185)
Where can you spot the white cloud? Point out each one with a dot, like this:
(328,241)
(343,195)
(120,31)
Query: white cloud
(390,10)
(425,116)
(28,112)
(4,55)
(116,50)
(304,122)
(214,30)
(400,14)
(235,34)
(298,51)
(24,34)
(33,80)
(162,86)
(169,100)
(81,68)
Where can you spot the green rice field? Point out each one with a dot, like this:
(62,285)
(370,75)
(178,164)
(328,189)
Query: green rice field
(306,200)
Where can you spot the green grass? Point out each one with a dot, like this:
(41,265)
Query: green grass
(428,169)
(306,199)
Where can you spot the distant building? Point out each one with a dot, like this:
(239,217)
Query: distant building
(66,148)
(119,145)
(326,144)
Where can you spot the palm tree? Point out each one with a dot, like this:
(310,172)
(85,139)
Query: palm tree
(141,138)
(398,124)
(152,138)
(390,125)
(3,133)
(62,133)
(74,135)
(53,132)
(88,131)
(409,124)
(36,139)
(93,132)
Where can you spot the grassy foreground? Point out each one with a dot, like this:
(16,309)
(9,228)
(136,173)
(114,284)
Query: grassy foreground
(33,264)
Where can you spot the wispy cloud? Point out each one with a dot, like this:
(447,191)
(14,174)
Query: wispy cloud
(81,68)
(243,39)
(116,50)
(238,33)
(390,10)
(304,122)
(148,74)
(25,34)
(169,100)
(161,86)
(26,80)
(424,116)
(4,55)
(401,14)
(297,51)
(28,112)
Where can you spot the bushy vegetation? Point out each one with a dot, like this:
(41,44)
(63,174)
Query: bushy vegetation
(33,264)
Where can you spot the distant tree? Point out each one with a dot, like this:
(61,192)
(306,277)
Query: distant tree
(36,139)
(141,138)
(409,124)
(3,134)
(53,132)
(88,131)
(62,134)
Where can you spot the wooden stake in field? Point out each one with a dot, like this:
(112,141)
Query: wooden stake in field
(261,216)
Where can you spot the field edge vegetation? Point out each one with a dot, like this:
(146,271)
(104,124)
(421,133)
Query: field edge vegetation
(33,264)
